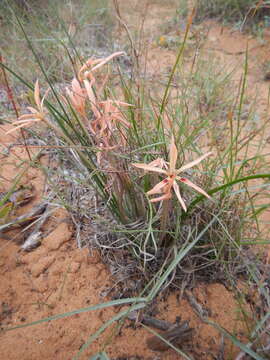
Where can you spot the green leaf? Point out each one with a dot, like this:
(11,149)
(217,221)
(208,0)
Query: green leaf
(235,341)
(5,210)
(80,311)
(100,356)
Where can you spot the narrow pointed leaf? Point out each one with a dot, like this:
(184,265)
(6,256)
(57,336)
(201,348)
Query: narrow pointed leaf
(173,155)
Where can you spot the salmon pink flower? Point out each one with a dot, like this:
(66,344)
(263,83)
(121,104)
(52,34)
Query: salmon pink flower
(172,176)
(36,114)
(94,64)
(77,96)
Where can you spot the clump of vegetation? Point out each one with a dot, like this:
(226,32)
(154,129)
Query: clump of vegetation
(233,11)
(111,136)
(171,174)
(57,29)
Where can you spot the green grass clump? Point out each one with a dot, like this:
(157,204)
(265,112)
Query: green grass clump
(233,11)
(56,28)
(110,127)
(105,121)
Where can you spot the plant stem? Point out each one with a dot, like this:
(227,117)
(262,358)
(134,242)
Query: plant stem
(166,206)
(11,98)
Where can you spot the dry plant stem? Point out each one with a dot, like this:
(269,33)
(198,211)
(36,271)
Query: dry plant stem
(141,44)
(150,321)
(11,98)
(198,308)
(118,187)
(119,17)
(21,220)
(166,207)
(119,191)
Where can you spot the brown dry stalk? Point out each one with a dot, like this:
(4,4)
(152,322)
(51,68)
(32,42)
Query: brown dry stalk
(10,96)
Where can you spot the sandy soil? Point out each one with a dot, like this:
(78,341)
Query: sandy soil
(57,277)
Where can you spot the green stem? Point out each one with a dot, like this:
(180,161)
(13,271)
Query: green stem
(166,93)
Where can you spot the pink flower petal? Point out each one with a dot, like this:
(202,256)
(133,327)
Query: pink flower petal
(21,126)
(118,103)
(189,183)
(76,86)
(29,120)
(157,188)
(25,116)
(159,162)
(107,59)
(42,101)
(37,95)
(91,97)
(193,163)
(33,110)
(149,168)
(166,196)
(179,197)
